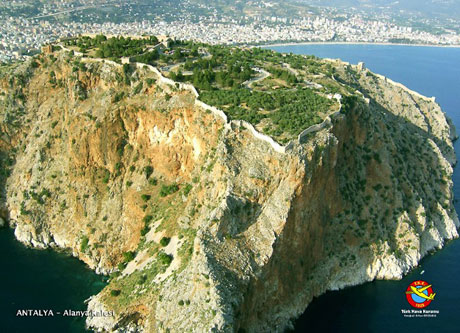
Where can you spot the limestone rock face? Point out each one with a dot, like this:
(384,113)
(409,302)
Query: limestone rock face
(221,231)
(107,322)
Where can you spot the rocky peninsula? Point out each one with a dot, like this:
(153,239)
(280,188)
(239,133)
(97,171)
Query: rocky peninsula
(211,221)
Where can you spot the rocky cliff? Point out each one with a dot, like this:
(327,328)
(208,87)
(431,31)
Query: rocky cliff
(203,225)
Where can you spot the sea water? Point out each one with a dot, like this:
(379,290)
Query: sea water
(32,279)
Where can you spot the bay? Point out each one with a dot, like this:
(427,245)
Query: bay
(376,306)
(42,280)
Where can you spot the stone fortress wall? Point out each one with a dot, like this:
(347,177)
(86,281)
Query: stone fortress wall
(241,123)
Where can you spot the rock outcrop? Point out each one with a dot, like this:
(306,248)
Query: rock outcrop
(204,226)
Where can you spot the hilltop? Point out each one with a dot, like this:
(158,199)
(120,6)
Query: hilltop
(248,84)
(221,188)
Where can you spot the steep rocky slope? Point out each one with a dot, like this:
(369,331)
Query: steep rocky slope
(204,226)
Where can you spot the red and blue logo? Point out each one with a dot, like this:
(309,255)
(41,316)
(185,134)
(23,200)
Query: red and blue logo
(420,294)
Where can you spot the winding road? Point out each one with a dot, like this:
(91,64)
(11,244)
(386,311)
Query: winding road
(263,76)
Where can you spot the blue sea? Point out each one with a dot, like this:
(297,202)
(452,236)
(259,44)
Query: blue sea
(376,306)
(42,280)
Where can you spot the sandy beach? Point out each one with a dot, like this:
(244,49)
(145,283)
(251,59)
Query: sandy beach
(352,43)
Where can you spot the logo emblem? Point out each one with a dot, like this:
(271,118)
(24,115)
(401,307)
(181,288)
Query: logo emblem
(419,294)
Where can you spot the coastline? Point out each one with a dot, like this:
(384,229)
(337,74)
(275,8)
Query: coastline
(358,295)
(353,43)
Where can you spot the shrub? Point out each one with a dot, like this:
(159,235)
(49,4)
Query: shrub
(115,292)
(153,181)
(377,158)
(168,189)
(147,218)
(118,97)
(165,258)
(142,279)
(84,244)
(348,103)
(138,88)
(165,241)
(129,256)
(362,223)
(106,178)
(148,170)
(377,187)
(145,197)
(145,230)
(187,189)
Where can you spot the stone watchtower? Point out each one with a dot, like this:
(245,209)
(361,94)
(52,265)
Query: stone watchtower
(47,49)
(361,66)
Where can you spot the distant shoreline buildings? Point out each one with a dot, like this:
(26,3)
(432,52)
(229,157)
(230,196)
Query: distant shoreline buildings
(21,37)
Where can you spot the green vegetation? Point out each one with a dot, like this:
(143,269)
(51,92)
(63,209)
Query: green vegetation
(164,258)
(128,256)
(283,102)
(115,292)
(165,241)
(138,88)
(283,75)
(148,170)
(148,58)
(146,197)
(187,189)
(349,103)
(106,177)
(118,97)
(291,111)
(38,197)
(147,219)
(145,230)
(168,189)
(84,244)
(114,47)
(270,90)
(121,266)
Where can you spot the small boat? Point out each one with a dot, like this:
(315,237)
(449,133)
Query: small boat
(421,273)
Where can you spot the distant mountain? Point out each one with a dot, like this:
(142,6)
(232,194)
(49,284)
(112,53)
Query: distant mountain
(438,12)
(428,8)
